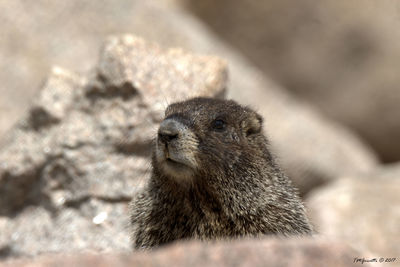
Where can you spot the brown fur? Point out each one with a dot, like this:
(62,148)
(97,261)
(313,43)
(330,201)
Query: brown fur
(214,178)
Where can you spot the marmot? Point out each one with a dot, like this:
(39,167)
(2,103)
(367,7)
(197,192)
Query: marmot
(214,177)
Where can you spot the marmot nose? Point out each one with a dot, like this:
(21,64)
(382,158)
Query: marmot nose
(169,130)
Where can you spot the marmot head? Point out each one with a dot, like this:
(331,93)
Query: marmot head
(203,136)
(212,161)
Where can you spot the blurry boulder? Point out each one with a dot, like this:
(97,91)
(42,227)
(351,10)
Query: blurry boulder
(295,252)
(363,211)
(70,167)
(342,56)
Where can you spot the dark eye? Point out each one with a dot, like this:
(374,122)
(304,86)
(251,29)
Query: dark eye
(218,125)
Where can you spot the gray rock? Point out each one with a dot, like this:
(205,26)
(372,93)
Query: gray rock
(88,225)
(70,167)
(269,252)
(363,211)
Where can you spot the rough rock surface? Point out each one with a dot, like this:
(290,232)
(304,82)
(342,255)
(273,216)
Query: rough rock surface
(256,253)
(311,149)
(363,211)
(69,168)
(341,55)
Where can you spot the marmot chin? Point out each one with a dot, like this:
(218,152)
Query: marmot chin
(214,178)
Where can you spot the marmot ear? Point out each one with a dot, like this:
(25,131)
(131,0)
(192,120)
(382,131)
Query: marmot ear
(252,125)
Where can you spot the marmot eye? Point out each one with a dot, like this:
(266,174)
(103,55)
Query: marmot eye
(218,125)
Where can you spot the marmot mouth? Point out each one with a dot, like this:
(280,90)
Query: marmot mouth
(174,162)
(176,168)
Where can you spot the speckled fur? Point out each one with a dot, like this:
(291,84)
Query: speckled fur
(237,190)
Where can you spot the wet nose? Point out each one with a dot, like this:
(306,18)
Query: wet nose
(169,130)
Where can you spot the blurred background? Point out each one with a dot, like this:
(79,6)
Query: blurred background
(324,74)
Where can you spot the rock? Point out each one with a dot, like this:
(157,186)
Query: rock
(269,252)
(71,228)
(364,211)
(311,148)
(129,62)
(342,56)
(70,167)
